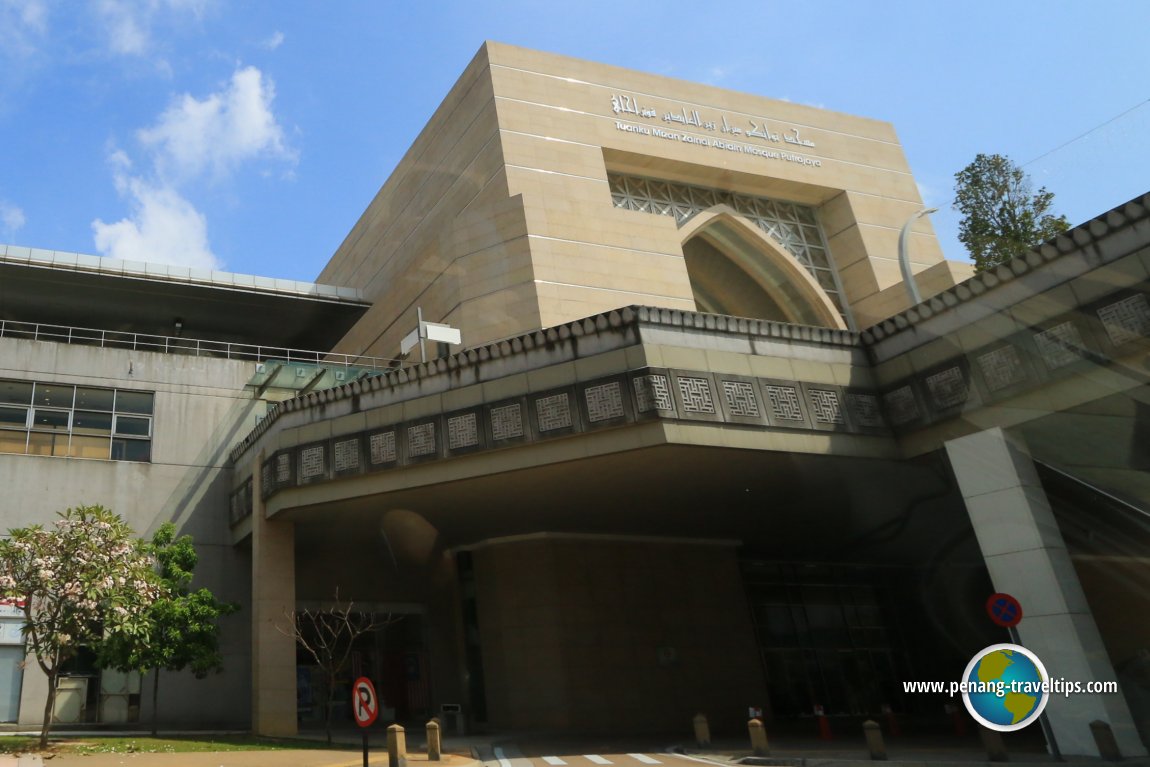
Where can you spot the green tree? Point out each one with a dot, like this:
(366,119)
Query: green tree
(183,629)
(1002,216)
(83,578)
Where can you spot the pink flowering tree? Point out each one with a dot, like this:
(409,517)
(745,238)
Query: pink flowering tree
(82,578)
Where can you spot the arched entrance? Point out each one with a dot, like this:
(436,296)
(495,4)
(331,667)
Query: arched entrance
(736,269)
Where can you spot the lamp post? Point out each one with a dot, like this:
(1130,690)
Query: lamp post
(904,255)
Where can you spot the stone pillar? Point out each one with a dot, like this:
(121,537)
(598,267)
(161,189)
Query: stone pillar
(273,594)
(1027,558)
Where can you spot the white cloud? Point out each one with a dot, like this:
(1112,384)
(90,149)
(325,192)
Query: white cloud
(273,42)
(11,218)
(163,227)
(127,24)
(23,23)
(218,133)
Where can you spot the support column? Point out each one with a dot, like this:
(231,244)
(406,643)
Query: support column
(273,595)
(1027,557)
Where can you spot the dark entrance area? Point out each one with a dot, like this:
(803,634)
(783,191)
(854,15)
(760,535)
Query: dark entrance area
(394,657)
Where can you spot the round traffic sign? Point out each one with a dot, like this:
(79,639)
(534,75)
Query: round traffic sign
(364,703)
(1004,610)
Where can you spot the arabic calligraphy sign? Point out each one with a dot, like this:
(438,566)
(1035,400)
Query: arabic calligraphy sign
(624,104)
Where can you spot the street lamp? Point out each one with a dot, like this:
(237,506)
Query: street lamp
(904,255)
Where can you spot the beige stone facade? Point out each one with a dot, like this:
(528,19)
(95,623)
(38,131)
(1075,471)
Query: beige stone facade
(508,212)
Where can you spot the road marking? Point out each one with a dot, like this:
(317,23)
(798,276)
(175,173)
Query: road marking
(644,759)
(554,761)
(503,760)
(698,759)
(597,759)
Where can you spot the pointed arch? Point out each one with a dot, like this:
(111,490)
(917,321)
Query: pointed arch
(736,268)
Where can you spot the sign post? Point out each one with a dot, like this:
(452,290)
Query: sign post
(365,707)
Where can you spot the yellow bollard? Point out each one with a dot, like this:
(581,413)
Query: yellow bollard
(434,745)
(759,744)
(874,743)
(702,731)
(396,746)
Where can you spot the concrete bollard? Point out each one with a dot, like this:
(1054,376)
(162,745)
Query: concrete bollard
(702,730)
(874,743)
(992,742)
(396,746)
(434,743)
(759,745)
(1105,740)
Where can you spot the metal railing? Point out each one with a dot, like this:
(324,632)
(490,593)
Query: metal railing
(114,339)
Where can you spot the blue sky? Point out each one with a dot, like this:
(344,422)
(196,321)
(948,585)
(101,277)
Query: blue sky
(249,136)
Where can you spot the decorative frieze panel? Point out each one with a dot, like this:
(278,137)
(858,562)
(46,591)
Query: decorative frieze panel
(553,412)
(345,456)
(652,392)
(312,462)
(421,440)
(826,408)
(507,422)
(1002,368)
(865,411)
(741,400)
(901,405)
(381,449)
(696,396)
(604,402)
(463,431)
(784,403)
(1126,320)
(1059,345)
(948,387)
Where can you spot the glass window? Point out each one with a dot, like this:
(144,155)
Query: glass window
(44,443)
(131,450)
(56,420)
(76,421)
(89,447)
(54,395)
(84,422)
(17,392)
(134,402)
(132,426)
(13,441)
(94,399)
(13,417)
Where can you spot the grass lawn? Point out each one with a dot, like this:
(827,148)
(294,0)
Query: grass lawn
(144,745)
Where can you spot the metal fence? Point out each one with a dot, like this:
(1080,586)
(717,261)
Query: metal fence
(113,339)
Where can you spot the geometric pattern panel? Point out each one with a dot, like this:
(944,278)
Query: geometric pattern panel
(864,409)
(507,422)
(311,462)
(784,402)
(604,402)
(948,388)
(283,468)
(901,405)
(825,406)
(1126,320)
(1002,368)
(345,455)
(553,412)
(383,448)
(696,394)
(1059,345)
(653,392)
(740,397)
(462,431)
(421,439)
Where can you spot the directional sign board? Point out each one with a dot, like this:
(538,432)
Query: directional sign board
(364,703)
(1004,610)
